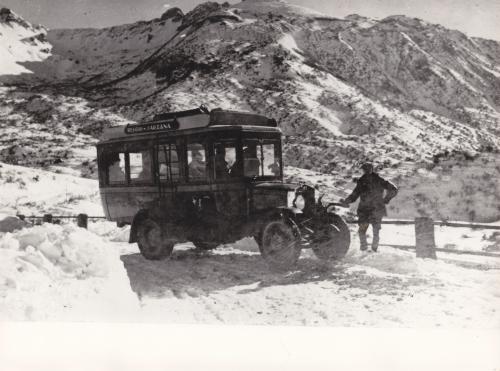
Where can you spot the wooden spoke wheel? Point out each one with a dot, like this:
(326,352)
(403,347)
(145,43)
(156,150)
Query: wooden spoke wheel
(280,245)
(331,240)
(152,240)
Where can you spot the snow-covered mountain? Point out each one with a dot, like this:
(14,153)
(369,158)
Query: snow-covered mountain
(398,90)
(20,42)
(421,100)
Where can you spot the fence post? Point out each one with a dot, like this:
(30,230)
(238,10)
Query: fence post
(47,218)
(82,220)
(424,238)
(21,217)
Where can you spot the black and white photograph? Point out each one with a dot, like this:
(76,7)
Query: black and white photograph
(263,163)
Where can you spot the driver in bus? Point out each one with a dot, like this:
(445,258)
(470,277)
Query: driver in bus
(275,167)
(250,161)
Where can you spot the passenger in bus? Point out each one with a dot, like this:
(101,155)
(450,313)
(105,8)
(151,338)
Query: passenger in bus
(221,165)
(145,173)
(197,166)
(115,171)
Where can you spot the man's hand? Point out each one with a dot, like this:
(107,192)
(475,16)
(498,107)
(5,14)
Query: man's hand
(344,202)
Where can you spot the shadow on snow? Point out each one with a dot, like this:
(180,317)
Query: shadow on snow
(191,274)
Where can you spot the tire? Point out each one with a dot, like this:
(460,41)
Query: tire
(332,241)
(152,241)
(280,245)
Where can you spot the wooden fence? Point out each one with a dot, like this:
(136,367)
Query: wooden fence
(81,219)
(425,245)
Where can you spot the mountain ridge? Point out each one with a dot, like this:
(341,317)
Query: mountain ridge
(398,90)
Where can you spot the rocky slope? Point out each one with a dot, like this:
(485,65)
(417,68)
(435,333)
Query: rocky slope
(398,90)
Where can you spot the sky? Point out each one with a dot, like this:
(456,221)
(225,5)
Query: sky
(475,17)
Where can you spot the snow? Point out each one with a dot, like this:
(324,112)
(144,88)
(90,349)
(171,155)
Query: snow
(302,72)
(36,192)
(67,273)
(460,78)
(343,42)
(276,7)
(17,46)
(289,43)
(53,272)
(62,272)
(234,287)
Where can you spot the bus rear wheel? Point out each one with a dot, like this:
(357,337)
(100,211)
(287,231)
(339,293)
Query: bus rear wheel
(152,240)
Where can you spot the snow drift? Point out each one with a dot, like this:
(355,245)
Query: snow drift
(53,272)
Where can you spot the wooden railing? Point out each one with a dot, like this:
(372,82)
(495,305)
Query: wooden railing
(425,244)
(81,219)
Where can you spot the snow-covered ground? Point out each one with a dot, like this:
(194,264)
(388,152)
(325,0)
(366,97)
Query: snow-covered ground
(66,273)
(62,272)
(391,288)
(30,191)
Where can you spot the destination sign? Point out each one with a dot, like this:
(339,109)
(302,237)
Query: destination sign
(152,126)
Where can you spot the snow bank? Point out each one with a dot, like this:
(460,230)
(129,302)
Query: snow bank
(64,273)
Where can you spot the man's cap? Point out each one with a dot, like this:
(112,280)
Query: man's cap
(367,166)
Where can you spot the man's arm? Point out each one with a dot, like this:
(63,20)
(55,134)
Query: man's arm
(391,191)
(353,196)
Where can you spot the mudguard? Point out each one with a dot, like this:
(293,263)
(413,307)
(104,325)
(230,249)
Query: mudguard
(289,212)
(140,216)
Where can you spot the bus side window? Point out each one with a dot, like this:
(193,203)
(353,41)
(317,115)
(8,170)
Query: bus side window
(116,169)
(140,167)
(197,161)
(168,162)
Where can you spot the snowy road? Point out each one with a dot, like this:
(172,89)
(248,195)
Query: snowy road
(62,272)
(391,288)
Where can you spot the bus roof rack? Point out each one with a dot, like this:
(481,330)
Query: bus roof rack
(199,117)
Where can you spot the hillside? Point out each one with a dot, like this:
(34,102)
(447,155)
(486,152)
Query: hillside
(397,90)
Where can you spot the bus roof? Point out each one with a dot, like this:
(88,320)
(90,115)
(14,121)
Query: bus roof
(187,122)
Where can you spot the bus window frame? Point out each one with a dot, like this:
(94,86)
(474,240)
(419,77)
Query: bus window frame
(208,140)
(126,149)
(179,145)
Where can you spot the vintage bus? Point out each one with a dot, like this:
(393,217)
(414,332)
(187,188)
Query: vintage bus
(210,177)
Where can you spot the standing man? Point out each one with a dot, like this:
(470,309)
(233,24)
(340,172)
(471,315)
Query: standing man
(371,209)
